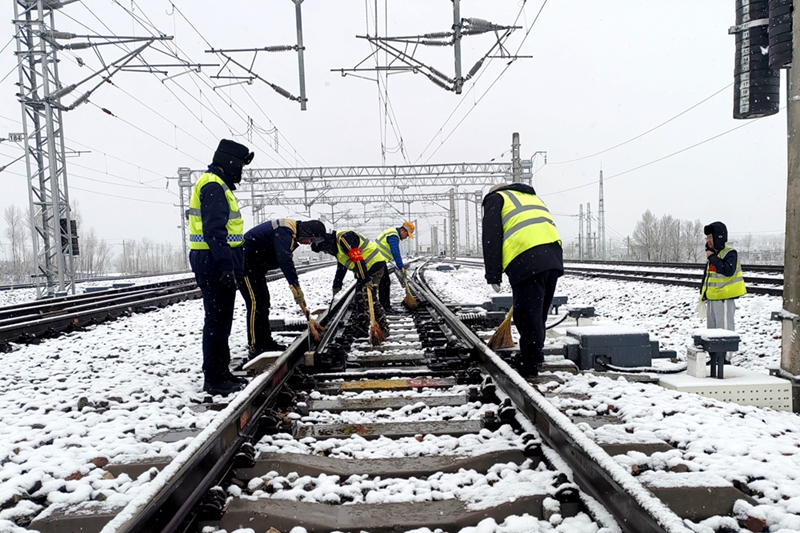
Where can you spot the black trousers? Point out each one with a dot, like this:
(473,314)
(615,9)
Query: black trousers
(256,297)
(362,319)
(385,289)
(532,299)
(218,301)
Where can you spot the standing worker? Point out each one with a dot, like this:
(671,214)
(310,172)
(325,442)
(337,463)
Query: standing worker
(216,235)
(266,247)
(389,244)
(723,281)
(520,238)
(355,252)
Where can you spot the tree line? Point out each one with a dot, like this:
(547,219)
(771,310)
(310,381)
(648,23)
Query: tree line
(671,240)
(96,256)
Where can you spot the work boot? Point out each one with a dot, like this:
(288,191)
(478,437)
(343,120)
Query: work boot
(236,379)
(528,370)
(272,346)
(222,387)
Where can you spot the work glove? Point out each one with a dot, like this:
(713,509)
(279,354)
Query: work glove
(228,279)
(370,285)
(336,290)
(403,271)
(299,297)
(496,287)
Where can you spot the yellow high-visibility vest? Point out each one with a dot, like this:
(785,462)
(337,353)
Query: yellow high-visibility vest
(368,249)
(235,225)
(526,223)
(383,242)
(719,287)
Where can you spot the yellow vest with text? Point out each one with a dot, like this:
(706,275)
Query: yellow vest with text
(527,223)
(719,287)
(369,250)
(383,242)
(235,225)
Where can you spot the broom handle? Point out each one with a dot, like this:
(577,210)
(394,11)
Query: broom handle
(510,313)
(372,320)
(405,279)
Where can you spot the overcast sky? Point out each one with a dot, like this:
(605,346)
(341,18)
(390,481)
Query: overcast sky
(601,73)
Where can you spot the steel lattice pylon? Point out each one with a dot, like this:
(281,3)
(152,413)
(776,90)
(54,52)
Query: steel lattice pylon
(45,159)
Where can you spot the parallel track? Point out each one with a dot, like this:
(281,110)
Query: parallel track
(32,320)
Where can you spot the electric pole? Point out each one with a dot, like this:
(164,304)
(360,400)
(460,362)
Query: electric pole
(453,223)
(41,95)
(516,164)
(601,223)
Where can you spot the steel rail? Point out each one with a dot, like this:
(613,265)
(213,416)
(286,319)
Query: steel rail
(665,278)
(634,507)
(170,499)
(25,322)
(700,266)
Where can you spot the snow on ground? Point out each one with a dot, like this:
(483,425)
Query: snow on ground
(758,447)
(103,393)
(666,312)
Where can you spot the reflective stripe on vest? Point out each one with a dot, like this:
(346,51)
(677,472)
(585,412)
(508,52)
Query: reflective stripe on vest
(235,225)
(719,287)
(369,250)
(287,223)
(526,223)
(383,242)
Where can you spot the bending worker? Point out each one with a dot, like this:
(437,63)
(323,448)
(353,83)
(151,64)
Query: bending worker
(389,244)
(215,238)
(266,247)
(355,252)
(521,239)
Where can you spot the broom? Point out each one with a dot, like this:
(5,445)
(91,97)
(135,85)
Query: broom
(315,329)
(502,336)
(376,335)
(409,300)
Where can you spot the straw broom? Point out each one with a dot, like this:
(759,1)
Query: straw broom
(315,329)
(376,335)
(502,336)
(409,300)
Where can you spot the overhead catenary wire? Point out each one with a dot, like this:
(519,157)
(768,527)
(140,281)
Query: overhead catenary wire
(474,84)
(654,161)
(704,100)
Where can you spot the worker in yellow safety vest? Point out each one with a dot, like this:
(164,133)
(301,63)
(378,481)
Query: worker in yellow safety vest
(389,244)
(216,235)
(723,281)
(520,239)
(358,254)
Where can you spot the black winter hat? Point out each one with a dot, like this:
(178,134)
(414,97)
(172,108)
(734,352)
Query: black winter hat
(310,228)
(720,233)
(328,244)
(231,157)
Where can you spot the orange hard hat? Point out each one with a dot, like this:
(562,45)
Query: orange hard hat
(409,227)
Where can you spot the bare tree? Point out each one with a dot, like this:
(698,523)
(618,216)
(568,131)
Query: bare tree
(16,232)
(645,237)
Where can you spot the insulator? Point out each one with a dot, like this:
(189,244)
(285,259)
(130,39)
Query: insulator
(79,101)
(440,35)
(62,92)
(479,24)
(77,46)
(441,75)
(281,48)
(428,42)
(52,34)
(474,70)
(440,83)
(283,92)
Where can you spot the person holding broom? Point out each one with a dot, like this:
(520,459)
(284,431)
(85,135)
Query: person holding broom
(266,247)
(520,238)
(355,252)
(389,244)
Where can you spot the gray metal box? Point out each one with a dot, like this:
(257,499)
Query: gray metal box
(726,341)
(623,346)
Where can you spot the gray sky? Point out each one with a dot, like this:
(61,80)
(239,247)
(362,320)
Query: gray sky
(601,74)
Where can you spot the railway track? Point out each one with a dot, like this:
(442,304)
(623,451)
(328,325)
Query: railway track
(661,274)
(31,321)
(431,429)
